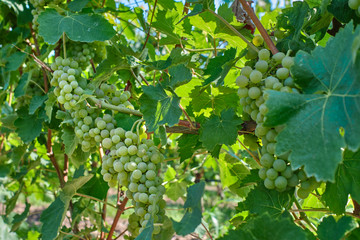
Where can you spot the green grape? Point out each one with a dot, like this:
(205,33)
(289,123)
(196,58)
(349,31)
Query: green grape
(256,76)
(287,61)
(261,66)
(242,81)
(132,150)
(262,173)
(301,175)
(257,40)
(270,81)
(271,174)
(269,184)
(101,124)
(282,73)
(107,143)
(242,92)
(254,92)
(271,148)
(264,54)
(280,182)
(287,173)
(245,71)
(278,57)
(302,193)
(150,174)
(279,165)
(267,160)
(144,198)
(293,181)
(271,135)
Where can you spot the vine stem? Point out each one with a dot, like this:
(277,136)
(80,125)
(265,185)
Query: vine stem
(207,231)
(152,16)
(64,44)
(249,152)
(233,30)
(95,199)
(102,104)
(259,26)
(304,216)
(120,210)
(50,153)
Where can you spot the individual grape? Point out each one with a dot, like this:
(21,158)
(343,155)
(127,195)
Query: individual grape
(267,160)
(258,40)
(262,173)
(354,4)
(278,57)
(271,148)
(271,174)
(279,165)
(245,71)
(271,135)
(254,92)
(269,184)
(287,173)
(255,76)
(107,143)
(261,66)
(293,181)
(242,92)
(287,61)
(280,182)
(282,73)
(242,81)
(264,54)
(302,176)
(302,193)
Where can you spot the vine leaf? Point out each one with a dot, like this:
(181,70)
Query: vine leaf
(323,120)
(347,181)
(193,215)
(69,139)
(78,27)
(54,215)
(271,202)
(188,144)
(265,227)
(158,107)
(36,102)
(220,130)
(330,229)
(146,234)
(28,127)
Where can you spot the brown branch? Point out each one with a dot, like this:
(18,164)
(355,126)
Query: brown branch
(187,117)
(143,78)
(51,155)
(259,26)
(249,152)
(2,141)
(207,231)
(103,3)
(66,167)
(93,65)
(103,215)
(122,233)
(148,33)
(120,210)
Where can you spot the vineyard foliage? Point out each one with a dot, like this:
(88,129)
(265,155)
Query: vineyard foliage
(205,119)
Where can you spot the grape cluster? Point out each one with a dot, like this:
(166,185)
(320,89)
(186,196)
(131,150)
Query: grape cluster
(134,164)
(355,5)
(269,73)
(67,88)
(84,52)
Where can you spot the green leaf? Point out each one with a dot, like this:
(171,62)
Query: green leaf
(330,229)
(331,99)
(28,127)
(8,121)
(14,61)
(346,13)
(272,202)
(219,67)
(18,153)
(265,227)
(125,121)
(18,218)
(180,75)
(226,177)
(52,218)
(69,139)
(165,21)
(158,107)
(73,186)
(187,144)
(49,105)
(220,130)
(347,181)
(79,157)
(95,187)
(5,231)
(78,27)
(175,190)
(167,230)
(77,5)
(36,102)
(193,214)
(20,89)
(146,234)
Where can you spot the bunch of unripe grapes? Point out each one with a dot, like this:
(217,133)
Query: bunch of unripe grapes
(269,73)
(84,52)
(65,80)
(354,4)
(115,97)
(134,164)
